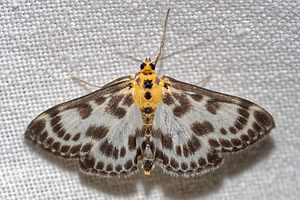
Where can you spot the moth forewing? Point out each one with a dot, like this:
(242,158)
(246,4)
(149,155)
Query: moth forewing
(193,126)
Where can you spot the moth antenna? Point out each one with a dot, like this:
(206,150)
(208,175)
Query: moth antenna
(163,38)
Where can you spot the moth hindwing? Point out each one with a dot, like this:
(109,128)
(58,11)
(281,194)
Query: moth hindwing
(149,120)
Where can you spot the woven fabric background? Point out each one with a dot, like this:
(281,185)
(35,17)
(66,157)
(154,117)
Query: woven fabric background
(251,49)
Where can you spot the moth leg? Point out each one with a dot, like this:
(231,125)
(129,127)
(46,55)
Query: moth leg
(78,79)
(118,80)
(115,81)
(203,80)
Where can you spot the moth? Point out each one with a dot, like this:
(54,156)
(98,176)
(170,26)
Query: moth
(149,120)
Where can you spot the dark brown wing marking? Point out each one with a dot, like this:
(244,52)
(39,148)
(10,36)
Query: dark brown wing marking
(210,123)
(71,130)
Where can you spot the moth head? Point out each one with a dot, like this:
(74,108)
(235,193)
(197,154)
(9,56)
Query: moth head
(147,67)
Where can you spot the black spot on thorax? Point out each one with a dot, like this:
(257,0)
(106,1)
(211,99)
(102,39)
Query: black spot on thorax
(148,84)
(148,95)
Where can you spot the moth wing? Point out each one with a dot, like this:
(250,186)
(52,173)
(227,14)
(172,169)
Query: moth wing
(193,126)
(99,129)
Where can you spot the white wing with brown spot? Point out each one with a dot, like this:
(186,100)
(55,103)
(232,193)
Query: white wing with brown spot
(99,128)
(193,126)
